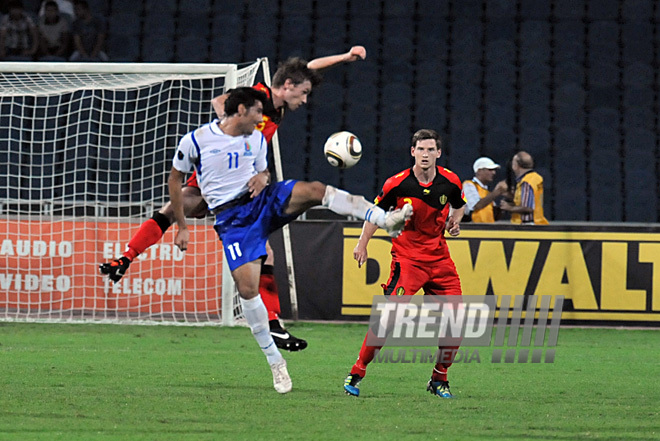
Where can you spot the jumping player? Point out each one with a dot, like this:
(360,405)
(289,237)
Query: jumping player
(248,209)
(291,85)
(420,258)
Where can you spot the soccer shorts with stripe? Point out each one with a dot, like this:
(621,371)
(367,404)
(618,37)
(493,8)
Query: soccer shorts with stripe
(244,229)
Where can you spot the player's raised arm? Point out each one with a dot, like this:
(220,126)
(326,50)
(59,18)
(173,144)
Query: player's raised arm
(218,104)
(354,54)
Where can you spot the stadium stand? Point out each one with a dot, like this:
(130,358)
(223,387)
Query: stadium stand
(637,10)
(568,9)
(497,76)
(192,49)
(500,144)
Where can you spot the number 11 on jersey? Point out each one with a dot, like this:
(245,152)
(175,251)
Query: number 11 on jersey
(232,157)
(234,250)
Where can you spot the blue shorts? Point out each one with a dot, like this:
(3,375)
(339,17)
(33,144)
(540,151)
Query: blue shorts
(244,229)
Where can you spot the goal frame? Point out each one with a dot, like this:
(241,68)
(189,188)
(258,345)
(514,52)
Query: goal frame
(229,71)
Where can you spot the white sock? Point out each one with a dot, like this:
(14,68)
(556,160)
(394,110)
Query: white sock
(257,318)
(344,203)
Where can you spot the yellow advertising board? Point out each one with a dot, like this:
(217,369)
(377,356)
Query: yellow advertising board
(603,275)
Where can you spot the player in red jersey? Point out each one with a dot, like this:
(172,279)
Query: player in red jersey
(420,257)
(291,85)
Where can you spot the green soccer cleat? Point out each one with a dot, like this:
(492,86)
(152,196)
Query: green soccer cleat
(352,385)
(439,388)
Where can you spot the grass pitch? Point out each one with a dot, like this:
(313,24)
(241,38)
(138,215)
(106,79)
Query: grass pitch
(108,382)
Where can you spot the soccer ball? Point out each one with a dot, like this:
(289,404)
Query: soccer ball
(343,149)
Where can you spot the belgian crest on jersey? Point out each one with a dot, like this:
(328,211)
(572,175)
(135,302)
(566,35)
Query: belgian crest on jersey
(443,199)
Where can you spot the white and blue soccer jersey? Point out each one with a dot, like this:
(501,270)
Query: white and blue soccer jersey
(224,163)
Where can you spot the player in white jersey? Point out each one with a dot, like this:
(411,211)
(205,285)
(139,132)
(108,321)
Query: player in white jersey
(224,163)
(230,159)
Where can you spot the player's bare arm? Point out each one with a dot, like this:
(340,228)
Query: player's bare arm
(360,253)
(453,225)
(258,182)
(354,54)
(176,200)
(322,63)
(218,104)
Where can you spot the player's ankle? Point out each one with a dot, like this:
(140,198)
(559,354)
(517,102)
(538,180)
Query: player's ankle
(130,254)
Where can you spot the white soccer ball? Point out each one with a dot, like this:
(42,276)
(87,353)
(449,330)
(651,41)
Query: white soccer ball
(343,149)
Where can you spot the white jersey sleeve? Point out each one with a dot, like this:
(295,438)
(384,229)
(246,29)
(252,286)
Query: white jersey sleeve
(187,154)
(261,163)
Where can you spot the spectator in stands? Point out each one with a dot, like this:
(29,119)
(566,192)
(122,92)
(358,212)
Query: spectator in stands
(527,205)
(65,7)
(480,207)
(53,34)
(89,32)
(19,39)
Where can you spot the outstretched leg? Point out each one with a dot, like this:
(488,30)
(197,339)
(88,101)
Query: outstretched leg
(152,230)
(306,195)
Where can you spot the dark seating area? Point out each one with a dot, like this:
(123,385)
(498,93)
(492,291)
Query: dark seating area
(573,82)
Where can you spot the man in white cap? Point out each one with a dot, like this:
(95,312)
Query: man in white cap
(480,201)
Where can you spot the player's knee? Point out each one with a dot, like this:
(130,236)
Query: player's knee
(316,191)
(193,203)
(168,212)
(247,290)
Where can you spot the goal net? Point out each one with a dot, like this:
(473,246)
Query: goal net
(85,151)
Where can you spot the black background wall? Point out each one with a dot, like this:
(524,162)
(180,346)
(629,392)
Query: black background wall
(574,82)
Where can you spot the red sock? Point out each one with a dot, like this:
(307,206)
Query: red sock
(148,234)
(366,356)
(446,357)
(269,293)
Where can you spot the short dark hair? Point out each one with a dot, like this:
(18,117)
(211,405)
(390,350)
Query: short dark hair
(427,134)
(243,95)
(51,3)
(296,70)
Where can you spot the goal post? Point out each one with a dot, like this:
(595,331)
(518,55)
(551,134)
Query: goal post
(85,151)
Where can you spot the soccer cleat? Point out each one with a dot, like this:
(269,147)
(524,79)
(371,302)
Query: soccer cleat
(396,220)
(283,339)
(281,379)
(439,388)
(116,269)
(352,385)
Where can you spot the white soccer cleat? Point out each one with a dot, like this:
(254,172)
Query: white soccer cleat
(281,379)
(396,220)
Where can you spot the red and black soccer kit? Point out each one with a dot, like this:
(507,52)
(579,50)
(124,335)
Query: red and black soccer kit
(420,257)
(270,124)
